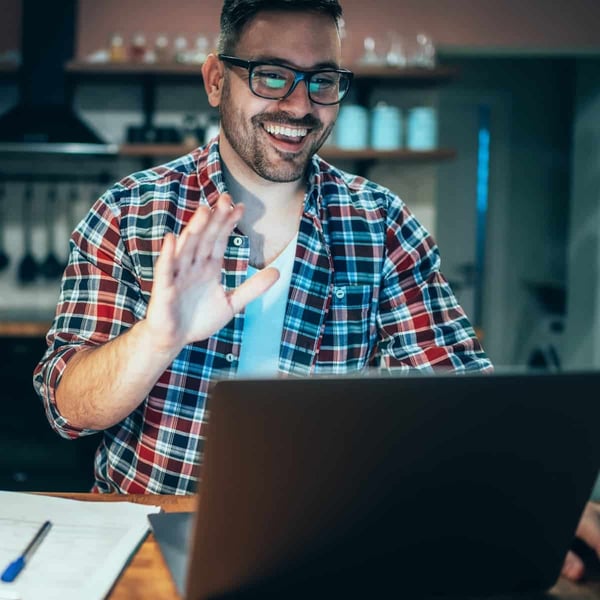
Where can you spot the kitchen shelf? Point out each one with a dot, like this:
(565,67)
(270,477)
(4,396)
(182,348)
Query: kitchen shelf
(175,150)
(150,150)
(74,149)
(327,152)
(331,152)
(410,74)
(24,328)
(133,68)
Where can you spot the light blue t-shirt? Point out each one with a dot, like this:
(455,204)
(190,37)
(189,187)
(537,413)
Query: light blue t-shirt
(263,321)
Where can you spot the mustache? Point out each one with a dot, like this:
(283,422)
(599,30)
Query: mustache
(283,118)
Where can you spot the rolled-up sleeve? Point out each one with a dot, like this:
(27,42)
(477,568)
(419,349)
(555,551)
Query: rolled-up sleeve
(100,297)
(420,322)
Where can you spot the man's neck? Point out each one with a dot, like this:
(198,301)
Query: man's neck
(250,188)
(271,210)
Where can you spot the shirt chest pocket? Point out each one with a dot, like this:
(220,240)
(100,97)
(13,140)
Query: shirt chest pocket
(345,343)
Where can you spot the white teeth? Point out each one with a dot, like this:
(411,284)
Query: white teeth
(288,131)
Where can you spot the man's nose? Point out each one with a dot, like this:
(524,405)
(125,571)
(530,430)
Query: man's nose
(298,101)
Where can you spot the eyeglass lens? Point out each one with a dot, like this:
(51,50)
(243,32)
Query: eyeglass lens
(272,81)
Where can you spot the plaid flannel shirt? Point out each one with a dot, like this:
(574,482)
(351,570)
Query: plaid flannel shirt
(366,291)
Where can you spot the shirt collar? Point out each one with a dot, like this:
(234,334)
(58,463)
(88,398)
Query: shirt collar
(314,177)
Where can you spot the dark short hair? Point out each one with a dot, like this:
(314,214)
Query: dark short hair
(236,14)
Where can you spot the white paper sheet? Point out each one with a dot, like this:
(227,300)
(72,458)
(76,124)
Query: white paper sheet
(83,553)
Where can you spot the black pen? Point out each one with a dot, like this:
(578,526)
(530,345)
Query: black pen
(17,565)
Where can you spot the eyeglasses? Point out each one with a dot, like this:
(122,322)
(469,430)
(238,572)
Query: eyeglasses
(276,82)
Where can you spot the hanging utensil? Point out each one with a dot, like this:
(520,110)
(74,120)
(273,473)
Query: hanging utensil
(51,267)
(28,268)
(70,217)
(70,208)
(4,257)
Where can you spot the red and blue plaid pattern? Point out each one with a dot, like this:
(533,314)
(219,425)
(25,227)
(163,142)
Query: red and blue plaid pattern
(366,291)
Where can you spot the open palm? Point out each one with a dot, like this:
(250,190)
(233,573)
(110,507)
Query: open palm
(188,302)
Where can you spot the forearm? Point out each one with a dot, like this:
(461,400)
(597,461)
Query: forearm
(101,386)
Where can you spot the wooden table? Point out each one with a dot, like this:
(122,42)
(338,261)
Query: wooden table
(147,575)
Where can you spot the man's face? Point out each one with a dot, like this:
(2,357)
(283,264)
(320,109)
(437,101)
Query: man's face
(253,126)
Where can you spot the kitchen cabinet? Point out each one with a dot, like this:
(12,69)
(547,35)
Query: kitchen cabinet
(32,456)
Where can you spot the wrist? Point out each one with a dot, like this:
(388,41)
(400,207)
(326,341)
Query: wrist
(148,340)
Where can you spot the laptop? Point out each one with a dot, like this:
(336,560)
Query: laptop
(416,486)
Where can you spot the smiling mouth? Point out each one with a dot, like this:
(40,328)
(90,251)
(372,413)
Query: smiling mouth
(286,133)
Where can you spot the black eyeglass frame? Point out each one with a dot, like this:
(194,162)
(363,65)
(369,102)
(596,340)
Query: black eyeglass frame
(299,75)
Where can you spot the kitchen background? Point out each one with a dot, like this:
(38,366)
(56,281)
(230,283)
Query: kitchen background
(483,116)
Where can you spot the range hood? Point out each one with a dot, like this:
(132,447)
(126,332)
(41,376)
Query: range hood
(43,120)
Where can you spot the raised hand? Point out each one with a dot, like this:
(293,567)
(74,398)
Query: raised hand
(188,302)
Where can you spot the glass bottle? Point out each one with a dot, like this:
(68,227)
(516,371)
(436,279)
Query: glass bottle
(117,52)
(161,48)
(181,54)
(138,47)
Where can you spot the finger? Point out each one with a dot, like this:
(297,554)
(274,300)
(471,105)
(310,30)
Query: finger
(589,527)
(164,269)
(222,239)
(218,222)
(253,287)
(573,568)
(190,237)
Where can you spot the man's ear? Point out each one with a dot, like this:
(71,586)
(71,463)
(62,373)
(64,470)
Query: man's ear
(213,73)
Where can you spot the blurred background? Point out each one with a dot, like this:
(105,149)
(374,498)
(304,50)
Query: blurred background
(483,117)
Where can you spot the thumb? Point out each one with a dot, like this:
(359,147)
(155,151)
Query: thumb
(589,527)
(252,288)
(573,568)
(164,266)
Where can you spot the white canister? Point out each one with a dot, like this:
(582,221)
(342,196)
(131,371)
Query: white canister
(352,127)
(422,128)
(386,127)
(212,131)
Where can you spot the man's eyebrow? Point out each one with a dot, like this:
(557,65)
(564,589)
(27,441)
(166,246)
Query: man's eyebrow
(327,64)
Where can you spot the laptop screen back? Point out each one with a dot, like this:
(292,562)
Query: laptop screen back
(430,484)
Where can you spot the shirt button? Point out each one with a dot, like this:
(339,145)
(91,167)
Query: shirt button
(340,293)
(237,241)
(230,357)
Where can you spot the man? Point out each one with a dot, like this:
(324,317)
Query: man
(250,255)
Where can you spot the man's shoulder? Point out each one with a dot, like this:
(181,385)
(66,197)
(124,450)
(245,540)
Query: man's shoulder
(180,170)
(340,186)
